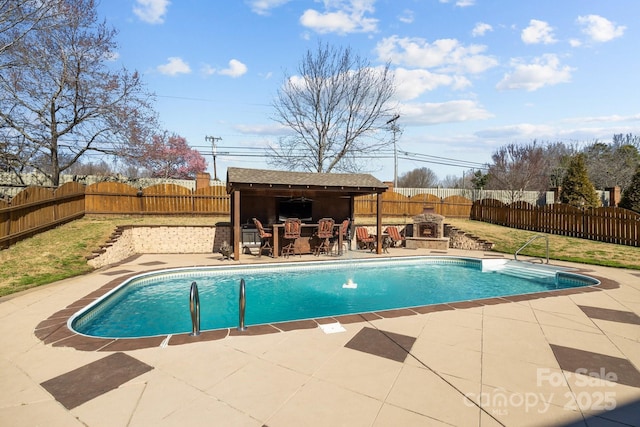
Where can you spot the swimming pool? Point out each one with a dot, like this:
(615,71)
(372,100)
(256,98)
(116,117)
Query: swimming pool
(158,303)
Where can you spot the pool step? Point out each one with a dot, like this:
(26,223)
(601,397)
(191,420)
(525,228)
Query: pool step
(525,270)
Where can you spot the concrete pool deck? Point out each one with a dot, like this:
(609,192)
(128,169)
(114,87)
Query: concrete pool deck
(522,362)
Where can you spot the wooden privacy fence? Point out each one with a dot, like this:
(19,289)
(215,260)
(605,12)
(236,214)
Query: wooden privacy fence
(609,224)
(160,199)
(394,204)
(36,209)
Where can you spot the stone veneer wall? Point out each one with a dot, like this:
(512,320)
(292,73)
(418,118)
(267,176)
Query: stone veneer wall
(459,239)
(131,240)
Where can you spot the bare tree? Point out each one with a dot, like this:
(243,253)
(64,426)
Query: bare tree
(19,17)
(418,178)
(62,100)
(613,164)
(519,168)
(451,181)
(336,108)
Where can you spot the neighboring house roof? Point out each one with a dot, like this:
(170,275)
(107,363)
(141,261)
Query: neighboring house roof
(241,178)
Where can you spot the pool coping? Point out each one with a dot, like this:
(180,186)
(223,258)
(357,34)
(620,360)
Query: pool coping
(55,331)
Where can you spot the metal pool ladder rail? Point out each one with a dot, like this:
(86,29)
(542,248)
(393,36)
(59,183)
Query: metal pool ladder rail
(539,236)
(242,303)
(194,308)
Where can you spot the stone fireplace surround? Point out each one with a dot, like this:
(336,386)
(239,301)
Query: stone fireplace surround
(428,231)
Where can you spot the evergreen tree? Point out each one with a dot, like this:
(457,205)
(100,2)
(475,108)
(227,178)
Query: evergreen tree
(631,196)
(577,189)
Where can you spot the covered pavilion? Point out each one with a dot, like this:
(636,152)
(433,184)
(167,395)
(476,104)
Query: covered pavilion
(273,196)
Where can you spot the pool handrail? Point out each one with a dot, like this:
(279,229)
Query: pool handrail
(242,304)
(536,237)
(194,308)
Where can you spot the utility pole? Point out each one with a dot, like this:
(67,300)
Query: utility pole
(213,140)
(395,129)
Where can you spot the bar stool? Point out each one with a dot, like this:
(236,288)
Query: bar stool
(346,237)
(265,238)
(325,232)
(292,228)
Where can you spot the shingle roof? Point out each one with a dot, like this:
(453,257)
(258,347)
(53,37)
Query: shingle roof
(302,179)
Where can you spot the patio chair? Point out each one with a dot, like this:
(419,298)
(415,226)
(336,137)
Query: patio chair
(325,232)
(292,228)
(346,235)
(265,238)
(395,235)
(364,239)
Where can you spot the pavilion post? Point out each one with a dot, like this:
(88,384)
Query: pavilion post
(237,232)
(379,223)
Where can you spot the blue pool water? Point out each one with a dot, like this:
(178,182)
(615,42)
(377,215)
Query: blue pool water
(158,303)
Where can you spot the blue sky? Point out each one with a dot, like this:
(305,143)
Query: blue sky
(471,75)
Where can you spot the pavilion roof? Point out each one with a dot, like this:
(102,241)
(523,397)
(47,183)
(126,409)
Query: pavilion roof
(242,178)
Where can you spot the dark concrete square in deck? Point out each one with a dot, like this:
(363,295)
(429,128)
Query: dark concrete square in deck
(611,315)
(116,272)
(90,381)
(615,369)
(151,263)
(381,343)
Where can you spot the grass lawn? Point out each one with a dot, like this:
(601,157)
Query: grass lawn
(60,253)
(509,240)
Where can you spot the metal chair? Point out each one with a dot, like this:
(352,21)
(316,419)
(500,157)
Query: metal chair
(346,235)
(265,238)
(292,228)
(395,235)
(325,232)
(364,239)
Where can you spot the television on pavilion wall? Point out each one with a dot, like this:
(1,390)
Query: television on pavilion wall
(298,207)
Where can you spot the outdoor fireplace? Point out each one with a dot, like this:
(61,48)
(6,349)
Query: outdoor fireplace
(428,231)
(428,224)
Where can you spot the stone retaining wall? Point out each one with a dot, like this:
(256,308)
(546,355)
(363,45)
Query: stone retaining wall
(459,239)
(129,240)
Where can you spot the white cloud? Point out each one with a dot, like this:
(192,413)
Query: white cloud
(407,16)
(461,3)
(235,69)
(421,114)
(600,29)
(410,84)
(481,29)
(616,118)
(445,54)
(341,17)
(174,67)
(543,71)
(550,132)
(151,11)
(538,32)
(521,130)
(263,7)
(208,70)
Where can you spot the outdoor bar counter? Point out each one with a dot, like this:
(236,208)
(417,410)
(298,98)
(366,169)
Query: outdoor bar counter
(307,241)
